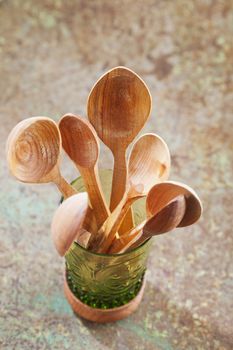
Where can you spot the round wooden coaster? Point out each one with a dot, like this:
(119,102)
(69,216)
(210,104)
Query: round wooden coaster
(102,315)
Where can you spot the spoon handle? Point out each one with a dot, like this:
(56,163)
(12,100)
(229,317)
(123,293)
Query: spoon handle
(118,189)
(96,241)
(123,242)
(93,186)
(66,189)
(113,225)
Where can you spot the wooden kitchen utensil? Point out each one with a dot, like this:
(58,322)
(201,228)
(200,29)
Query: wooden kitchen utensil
(158,198)
(119,104)
(68,220)
(161,194)
(161,222)
(149,163)
(33,153)
(80,142)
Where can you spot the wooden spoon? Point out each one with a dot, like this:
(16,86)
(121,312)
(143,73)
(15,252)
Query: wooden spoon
(118,106)
(161,222)
(68,220)
(149,163)
(80,142)
(161,194)
(33,153)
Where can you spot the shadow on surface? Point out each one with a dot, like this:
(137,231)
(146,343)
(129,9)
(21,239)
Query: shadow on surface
(158,324)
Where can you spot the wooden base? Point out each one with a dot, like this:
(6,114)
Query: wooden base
(100,315)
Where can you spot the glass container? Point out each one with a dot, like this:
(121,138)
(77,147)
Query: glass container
(106,281)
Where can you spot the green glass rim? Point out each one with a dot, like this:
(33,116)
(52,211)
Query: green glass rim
(110,255)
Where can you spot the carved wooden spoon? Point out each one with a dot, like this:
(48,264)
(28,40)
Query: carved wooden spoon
(118,106)
(161,222)
(33,153)
(149,163)
(80,142)
(161,194)
(68,220)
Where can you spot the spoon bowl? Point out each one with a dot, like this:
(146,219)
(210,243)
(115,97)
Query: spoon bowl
(114,104)
(149,162)
(33,149)
(161,222)
(68,221)
(161,194)
(33,153)
(79,140)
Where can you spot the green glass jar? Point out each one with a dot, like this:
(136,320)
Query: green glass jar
(106,281)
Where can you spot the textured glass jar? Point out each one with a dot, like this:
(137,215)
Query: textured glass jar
(105,281)
(102,280)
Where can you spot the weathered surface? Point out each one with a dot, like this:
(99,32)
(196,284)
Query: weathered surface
(51,52)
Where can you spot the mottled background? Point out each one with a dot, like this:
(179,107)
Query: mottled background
(51,53)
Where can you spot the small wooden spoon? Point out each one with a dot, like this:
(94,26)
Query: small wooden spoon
(161,194)
(149,163)
(161,222)
(118,106)
(33,153)
(68,220)
(80,142)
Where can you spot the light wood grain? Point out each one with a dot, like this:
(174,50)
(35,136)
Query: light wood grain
(161,194)
(158,198)
(68,220)
(118,107)
(80,142)
(161,222)
(33,153)
(149,163)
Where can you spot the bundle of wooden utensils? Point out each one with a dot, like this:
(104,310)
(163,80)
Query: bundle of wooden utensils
(118,106)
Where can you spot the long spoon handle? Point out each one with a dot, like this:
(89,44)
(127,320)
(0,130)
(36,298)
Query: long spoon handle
(119,181)
(96,241)
(114,225)
(123,242)
(97,200)
(66,189)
